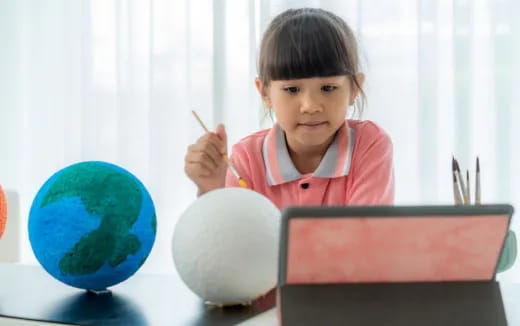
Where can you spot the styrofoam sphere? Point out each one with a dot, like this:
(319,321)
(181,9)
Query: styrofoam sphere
(225,246)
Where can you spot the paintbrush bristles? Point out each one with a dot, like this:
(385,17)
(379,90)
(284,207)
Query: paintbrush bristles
(461,191)
(453,167)
(461,180)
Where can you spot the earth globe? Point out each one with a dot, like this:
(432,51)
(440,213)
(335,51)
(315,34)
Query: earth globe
(3,211)
(92,225)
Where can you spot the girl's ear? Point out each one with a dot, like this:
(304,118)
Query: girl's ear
(360,78)
(260,87)
(262,90)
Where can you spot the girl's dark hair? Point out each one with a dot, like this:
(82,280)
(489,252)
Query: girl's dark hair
(309,42)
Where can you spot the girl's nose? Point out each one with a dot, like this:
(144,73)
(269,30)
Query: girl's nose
(309,105)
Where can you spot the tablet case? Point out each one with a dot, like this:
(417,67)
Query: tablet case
(427,265)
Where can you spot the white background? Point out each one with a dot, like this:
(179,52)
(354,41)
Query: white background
(116,80)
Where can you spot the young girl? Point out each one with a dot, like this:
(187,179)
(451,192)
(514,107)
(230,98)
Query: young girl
(309,76)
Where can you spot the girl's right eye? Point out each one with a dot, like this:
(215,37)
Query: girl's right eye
(291,89)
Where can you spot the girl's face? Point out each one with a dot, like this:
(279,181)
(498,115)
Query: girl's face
(310,110)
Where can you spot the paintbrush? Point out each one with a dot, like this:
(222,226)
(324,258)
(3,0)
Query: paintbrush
(467,199)
(460,179)
(241,181)
(477,183)
(456,191)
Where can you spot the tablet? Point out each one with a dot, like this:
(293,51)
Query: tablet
(389,244)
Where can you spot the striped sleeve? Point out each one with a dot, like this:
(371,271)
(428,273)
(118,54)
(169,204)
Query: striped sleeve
(373,175)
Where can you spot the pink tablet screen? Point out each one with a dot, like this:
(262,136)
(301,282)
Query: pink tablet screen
(394,249)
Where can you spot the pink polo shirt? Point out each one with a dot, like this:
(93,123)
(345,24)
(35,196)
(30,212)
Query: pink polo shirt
(357,168)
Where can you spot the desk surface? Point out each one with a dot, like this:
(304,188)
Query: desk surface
(29,292)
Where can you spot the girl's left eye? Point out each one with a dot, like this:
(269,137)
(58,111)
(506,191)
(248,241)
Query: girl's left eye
(328,88)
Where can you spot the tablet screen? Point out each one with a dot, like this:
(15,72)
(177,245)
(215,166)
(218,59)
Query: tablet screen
(394,249)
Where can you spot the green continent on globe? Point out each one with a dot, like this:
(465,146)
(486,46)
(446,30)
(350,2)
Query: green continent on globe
(113,196)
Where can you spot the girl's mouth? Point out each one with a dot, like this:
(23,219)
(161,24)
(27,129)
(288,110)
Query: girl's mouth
(312,124)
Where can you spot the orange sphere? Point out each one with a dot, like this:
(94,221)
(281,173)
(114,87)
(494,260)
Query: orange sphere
(3,211)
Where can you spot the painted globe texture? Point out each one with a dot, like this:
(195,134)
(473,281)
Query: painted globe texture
(225,246)
(92,225)
(3,211)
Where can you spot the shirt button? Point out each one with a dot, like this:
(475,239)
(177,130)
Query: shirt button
(304,185)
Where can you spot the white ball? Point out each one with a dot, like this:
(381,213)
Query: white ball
(225,246)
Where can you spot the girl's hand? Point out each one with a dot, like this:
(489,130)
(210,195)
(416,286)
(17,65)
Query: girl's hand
(204,163)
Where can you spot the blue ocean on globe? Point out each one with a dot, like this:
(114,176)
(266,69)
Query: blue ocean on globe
(92,225)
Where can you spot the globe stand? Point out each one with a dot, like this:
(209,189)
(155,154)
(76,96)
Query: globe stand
(104,292)
(228,305)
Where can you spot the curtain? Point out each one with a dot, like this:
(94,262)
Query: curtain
(116,81)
